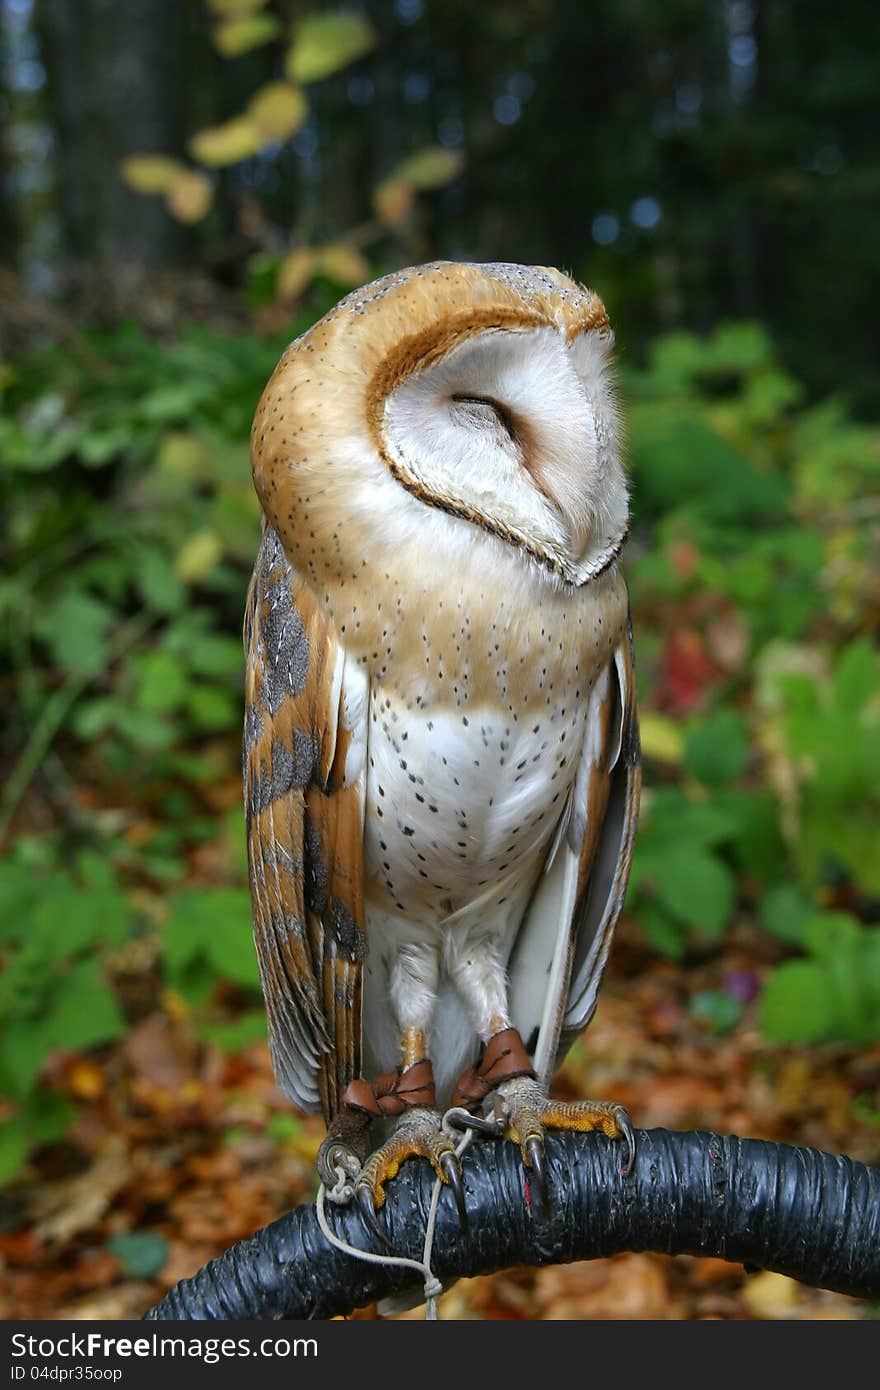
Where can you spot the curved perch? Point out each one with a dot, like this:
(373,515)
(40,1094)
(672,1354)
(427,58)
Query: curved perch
(805,1213)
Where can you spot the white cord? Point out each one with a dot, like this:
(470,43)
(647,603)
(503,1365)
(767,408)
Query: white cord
(341,1194)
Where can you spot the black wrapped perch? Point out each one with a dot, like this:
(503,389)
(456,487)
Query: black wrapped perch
(812,1215)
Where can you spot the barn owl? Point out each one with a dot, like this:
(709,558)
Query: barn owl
(441,756)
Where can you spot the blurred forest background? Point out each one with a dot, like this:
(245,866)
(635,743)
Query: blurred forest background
(185,185)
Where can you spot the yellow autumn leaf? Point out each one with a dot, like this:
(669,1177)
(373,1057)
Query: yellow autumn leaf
(345,264)
(295,273)
(770,1295)
(431,167)
(662,739)
(190,196)
(277,111)
(307,1146)
(326,43)
(183,454)
(235,36)
(150,173)
(226,144)
(233,9)
(198,556)
(392,202)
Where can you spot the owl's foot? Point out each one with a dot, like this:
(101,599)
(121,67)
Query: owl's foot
(527,1111)
(343,1165)
(419,1134)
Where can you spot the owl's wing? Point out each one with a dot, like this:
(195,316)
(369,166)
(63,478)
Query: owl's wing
(563,944)
(304,753)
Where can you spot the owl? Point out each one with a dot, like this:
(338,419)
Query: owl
(441,753)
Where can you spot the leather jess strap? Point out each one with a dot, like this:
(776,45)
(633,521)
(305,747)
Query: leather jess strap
(396,1091)
(505,1057)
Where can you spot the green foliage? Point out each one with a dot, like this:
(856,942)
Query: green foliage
(206,938)
(54,992)
(719,1011)
(126,584)
(140,1253)
(823,713)
(834,994)
(55,929)
(756,541)
(680,877)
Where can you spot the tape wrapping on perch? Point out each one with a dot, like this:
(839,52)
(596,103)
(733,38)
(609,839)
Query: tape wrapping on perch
(799,1211)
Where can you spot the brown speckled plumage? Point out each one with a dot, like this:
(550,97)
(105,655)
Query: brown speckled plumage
(439,693)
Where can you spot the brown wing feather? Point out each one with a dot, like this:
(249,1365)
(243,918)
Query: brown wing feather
(304,835)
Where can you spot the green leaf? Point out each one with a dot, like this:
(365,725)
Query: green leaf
(48,1115)
(248,1028)
(671,819)
(828,934)
(18,888)
(717,749)
(79,1011)
(213,926)
(42,1118)
(236,36)
(757,844)
(796,1004)
(680,459)
(432,167)
(24,1048)
(72,919)
(676,361)
(738,347)
(857,677)
(661,931)
(14,1147)
(720,1010)
(162,683)
(92,717)
(212,709)
(83,1011)
(159,587)
(695,887)
(140,1253)
(212,654)
(284,1127)
(198,556)
(103,446)
(76,629)
(145,729)
(95,870)
(784,911)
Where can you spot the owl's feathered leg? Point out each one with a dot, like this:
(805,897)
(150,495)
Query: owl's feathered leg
(406,1094)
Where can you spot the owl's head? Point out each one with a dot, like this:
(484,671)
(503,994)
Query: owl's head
(483,390)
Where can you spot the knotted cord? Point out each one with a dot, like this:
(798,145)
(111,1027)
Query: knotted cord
(343,1190)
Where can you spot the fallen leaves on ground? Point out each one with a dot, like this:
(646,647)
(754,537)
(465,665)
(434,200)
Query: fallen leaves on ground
(176,1141)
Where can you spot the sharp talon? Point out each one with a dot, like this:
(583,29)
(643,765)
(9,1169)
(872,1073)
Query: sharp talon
(367,1209)
(534,1156)
(451,1170)
(626,1131)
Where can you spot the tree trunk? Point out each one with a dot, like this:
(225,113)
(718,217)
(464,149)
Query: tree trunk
(116,87)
